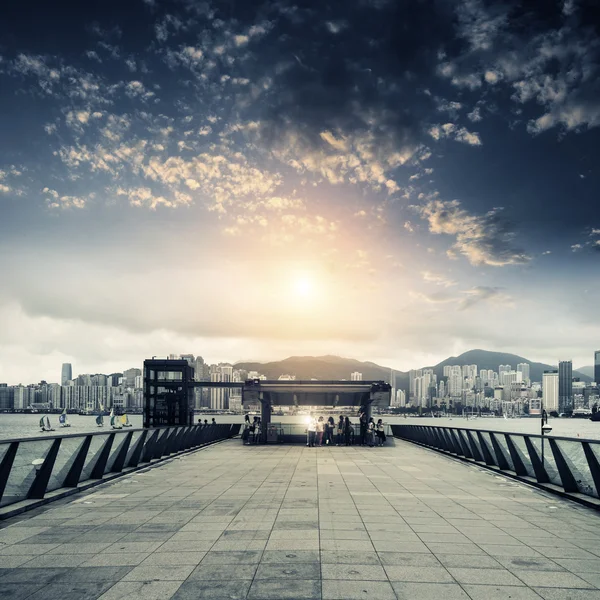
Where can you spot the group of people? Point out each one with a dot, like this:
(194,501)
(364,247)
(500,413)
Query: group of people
(206,422)
(251,431)
(321,432)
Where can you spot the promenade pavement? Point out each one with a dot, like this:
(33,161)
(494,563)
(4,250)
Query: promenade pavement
(290,522)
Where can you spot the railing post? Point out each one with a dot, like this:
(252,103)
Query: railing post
(42,477)
(466,451)
(487,455)
(6,465)
(592,464)
(474,449)
(502,462)
(100,466)
(148,449)
(119,461)
(538,467)
(516,458)
(568,481)
(134,460)
(72,478)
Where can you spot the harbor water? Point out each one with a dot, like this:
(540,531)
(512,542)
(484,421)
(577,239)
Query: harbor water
(14,426)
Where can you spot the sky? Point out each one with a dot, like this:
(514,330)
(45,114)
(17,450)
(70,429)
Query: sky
(380,179)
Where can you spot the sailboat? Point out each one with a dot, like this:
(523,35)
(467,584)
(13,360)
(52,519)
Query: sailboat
(64,422)
(45,424)
(114,422)
(125,421)
(100,420)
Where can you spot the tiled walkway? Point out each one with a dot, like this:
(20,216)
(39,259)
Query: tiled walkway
(234,522)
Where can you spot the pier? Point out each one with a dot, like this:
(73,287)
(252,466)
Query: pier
(262,522)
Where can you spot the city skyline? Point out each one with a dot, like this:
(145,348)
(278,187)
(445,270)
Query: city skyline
(186,174)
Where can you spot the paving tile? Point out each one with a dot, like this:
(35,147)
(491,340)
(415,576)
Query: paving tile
(502,592)
(18,591)
(297,570)
(290,556)
(223,571)
(113,560)
(530,564)
(159,573)
(484,576)
(26,549)
(428,591)
(235,589)
(551,579)
(354,572)
(163,559)
(408,559)
(357,590)
(471,561)
(56,560)
(235,557)
(418,574)
(350,557)
(89,590)
(142,590)
(10,562)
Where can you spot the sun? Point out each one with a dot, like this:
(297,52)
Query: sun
(303,287)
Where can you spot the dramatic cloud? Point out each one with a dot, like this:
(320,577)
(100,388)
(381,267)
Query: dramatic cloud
(484,239)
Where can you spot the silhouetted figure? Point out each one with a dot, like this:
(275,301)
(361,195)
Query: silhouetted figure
(340,431)
(246,431)
(363,427)
(347,430)
(371,433)
(380,431)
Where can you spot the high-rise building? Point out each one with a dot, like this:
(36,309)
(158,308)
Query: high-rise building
(550,390)
(597,367)
(129,377)
(66,373)
(356,376)
(503,368)
(523,368)
(7,397)
(565,386)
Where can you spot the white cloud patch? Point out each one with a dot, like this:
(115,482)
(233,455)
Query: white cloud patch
(452,131)
(483,239)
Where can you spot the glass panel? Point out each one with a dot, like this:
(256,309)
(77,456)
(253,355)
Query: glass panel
(519,442)
(23,472)
(92,455)
(117,445)
(576,461)
(69,448)
(549,463)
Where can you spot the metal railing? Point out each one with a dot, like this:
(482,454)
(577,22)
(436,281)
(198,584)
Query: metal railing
(33,468)
(565,465)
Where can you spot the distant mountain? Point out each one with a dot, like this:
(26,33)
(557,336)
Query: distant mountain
(317,367)
(587,371)
(336,367)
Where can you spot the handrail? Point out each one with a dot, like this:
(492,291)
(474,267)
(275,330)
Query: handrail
(33,468)
(568,466)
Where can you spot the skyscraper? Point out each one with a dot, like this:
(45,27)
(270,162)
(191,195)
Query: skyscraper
(597,367)
(523,368)
(565,386)
(550,390)
(66,373)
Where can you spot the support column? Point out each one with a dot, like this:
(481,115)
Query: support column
(265,419)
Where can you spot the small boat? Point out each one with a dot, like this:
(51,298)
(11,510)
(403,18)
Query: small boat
(125,421)
(114,421)
(63,421)
(45,424)
(100,421)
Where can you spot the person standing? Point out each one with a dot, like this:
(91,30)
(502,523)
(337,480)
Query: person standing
(347,430)
(363,427)
(246,431)
(311,431)
(371,432)
(320,430)
(380,433)
(340,431)
(329,428)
